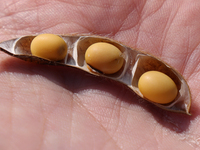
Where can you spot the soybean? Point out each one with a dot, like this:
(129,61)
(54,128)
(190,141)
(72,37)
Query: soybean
(104,57)
(49,46)
(157,87)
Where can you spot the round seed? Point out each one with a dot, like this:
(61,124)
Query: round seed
(104,57)
(49,46)
(157,87)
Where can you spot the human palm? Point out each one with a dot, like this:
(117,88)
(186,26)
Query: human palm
(50,107)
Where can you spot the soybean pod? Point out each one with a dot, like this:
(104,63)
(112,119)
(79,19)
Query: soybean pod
(147,76)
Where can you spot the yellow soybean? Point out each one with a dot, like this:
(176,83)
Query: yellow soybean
(104,57)
(157,87)
(49,46)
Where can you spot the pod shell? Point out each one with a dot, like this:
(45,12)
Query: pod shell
(135,64)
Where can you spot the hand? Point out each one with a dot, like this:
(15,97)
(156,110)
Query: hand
(49,107)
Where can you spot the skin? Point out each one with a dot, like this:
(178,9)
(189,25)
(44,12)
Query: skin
(49,107)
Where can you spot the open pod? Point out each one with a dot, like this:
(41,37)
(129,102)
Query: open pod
(135,64)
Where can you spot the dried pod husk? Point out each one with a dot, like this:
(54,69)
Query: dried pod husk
(135,64)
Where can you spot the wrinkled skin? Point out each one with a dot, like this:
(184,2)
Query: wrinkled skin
(48,107)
